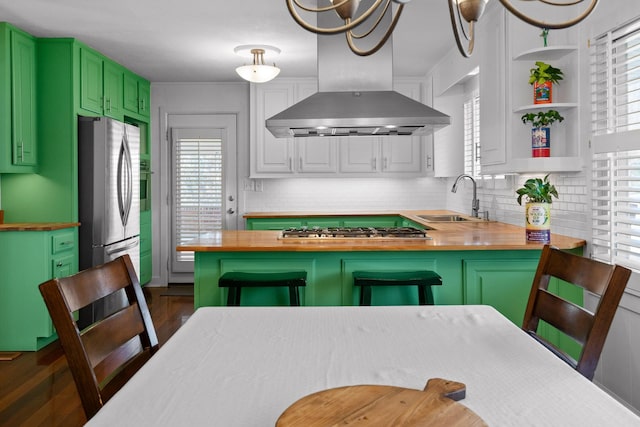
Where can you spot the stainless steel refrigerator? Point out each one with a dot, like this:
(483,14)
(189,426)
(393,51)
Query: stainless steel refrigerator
(109,199)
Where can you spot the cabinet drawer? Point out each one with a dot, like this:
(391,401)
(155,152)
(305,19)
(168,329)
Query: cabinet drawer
(62,242)
(62,266)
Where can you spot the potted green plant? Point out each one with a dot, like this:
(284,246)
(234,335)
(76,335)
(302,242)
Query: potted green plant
(538,194)
(542,77)
(541,132)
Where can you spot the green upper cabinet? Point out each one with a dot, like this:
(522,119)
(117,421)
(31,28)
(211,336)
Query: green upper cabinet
(113,89)
(91,77)
(101,84)
(18,144)
(136,94)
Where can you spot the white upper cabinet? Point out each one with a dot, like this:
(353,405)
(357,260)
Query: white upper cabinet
(401,155)
(491,51)
(372,155)
(277,157)
(272,157)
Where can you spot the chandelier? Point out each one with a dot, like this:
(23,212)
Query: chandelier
(347,10)
(464,15)
(471,10)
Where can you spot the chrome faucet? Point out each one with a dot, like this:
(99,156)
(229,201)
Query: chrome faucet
(475,203)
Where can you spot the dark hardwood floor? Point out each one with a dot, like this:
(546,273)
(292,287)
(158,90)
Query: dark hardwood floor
(36,389)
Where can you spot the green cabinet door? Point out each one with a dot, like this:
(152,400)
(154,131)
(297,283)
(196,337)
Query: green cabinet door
(137,94)
(23,99)
(91,81)
(145,247)
(18,144)
(502,284)
(506,284)
(113,89)
(144,94)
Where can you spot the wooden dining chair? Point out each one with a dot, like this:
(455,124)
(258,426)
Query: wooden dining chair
(588,329)
(103,356)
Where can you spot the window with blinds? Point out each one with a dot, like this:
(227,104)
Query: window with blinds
(198,189)
(472,135)
(615,80)
(616,207)
(615,94)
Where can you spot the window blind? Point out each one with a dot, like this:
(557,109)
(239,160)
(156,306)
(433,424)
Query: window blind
(615,80)
(472,136)
(616,207)
(615,120)
(197,189)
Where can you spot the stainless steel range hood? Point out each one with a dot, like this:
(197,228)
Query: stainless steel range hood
(355,97)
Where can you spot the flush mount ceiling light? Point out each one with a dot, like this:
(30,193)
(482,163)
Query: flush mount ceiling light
(460,11)
(258,71)
(471,10)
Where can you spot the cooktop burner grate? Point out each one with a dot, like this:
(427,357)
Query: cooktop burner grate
(354,232)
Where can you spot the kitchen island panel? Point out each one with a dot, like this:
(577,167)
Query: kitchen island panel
(494,277)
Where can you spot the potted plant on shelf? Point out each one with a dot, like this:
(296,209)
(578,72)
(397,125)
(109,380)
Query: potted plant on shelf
(541,132)
(542,78)
(538,194)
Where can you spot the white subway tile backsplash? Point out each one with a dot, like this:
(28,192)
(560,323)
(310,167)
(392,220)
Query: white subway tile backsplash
(497,195)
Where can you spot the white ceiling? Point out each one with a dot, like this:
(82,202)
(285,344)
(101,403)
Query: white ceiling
(193,40)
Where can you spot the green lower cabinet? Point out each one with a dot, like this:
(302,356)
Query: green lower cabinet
(501,279)
(500,285)
(28,258)
(145,247)
(273,224)
(332,221)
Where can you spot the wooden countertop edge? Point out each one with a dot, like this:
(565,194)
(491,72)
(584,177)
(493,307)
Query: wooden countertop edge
(325,248)
(471,235)
(37,226)
(469,240)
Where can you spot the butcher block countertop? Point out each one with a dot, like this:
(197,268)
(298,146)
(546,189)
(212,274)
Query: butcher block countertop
(37,226)
(473,234)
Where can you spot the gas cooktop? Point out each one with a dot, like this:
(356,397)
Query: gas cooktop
(354,232)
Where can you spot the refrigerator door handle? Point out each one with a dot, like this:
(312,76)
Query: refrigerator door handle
(123,248)
(125,180)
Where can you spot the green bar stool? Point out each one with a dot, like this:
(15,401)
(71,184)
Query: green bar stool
(422,279)
(236,280)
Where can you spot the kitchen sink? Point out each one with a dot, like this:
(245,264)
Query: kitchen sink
(443,218)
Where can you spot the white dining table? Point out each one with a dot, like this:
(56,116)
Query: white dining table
(243,366)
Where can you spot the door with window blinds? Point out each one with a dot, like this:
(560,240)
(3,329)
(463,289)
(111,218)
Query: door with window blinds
(198,174)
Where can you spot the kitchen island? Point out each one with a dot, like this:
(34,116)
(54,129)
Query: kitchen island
(481,262)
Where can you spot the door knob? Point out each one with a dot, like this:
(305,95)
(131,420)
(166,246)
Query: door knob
(230,211)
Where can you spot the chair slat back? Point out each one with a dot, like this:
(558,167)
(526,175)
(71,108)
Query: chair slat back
(106,354)
(587,328)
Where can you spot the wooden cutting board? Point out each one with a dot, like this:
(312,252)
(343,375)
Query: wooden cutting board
(381,405)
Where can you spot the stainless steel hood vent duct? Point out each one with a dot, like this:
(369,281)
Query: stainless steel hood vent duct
(355,97)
